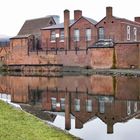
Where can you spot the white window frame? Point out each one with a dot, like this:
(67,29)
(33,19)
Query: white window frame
(135,33)
(135,106)
(62,103)
(89,105)
(61,35)
(53,103)
(128,107)
(101,33)
(101,106)
(128,32)
(76,35)
(77,105)
(88,34)
(53,36)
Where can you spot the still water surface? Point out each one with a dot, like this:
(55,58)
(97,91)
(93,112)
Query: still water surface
(94,107)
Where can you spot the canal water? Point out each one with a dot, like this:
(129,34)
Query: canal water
(93,107)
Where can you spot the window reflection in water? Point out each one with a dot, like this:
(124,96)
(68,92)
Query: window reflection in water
(82,97)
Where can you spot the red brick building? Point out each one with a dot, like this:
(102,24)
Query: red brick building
(118,29)
(84,32)
(77,34)
(72,34)
(29,34)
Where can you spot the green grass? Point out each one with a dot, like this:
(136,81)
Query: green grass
(19,125)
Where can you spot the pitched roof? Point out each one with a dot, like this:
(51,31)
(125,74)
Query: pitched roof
(127,20)
(58,26)
(61,25)
(122,20)
(20,36)
(91,20)
(33,26)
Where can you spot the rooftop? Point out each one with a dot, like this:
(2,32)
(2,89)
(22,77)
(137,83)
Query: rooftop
(33,26)
(61,25)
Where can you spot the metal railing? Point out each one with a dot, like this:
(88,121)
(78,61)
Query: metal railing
(75,44)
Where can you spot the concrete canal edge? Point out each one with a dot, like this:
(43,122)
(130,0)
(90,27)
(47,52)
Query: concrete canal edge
(89,71)
(60,70)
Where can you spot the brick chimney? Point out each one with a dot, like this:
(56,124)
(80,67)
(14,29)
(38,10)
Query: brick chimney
(109,12)
(77,14)
(137,19)
(66,28)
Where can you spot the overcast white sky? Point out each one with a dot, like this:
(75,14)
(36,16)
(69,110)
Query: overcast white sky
(13,13)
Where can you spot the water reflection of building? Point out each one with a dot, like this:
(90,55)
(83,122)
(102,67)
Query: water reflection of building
(84,107)
(112,99)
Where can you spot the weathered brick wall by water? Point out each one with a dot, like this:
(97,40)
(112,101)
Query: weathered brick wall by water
(73,58)
(127,56)
(102,58)
(95,58)
(122,56)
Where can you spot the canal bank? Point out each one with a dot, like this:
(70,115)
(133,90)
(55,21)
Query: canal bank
(60,70)
(16,124)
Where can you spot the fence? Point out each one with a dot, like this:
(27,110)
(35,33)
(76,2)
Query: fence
(76,44)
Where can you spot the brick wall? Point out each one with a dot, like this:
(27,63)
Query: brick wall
(112,28)
(127,56)
(46,40)
(116,28)
(124,56)
(82,24)
(96,58)
(101,58)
